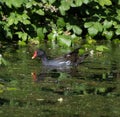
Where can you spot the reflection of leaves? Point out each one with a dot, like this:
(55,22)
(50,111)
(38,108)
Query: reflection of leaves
(80,89)
(84,88)
(11,88)
(77,89)
(101,48)
(1,88)
(14,83)
(4,88)
(62,76)
(3,61)
(3,101)
(104,90)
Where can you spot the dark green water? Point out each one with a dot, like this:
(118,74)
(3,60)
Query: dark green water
(89,90)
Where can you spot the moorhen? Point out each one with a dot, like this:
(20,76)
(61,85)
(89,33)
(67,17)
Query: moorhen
(70,59)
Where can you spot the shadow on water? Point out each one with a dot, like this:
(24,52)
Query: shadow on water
(30,89)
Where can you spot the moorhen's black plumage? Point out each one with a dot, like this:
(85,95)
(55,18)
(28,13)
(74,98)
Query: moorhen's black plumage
(70,59)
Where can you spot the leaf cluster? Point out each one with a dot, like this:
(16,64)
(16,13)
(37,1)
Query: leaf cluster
(66,21)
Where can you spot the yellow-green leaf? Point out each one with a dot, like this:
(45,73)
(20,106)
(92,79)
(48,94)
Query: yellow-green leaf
(105,2)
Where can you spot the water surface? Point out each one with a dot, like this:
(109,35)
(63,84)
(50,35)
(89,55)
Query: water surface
(89,90)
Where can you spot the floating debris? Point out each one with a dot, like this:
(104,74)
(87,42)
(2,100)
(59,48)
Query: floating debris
(60,100)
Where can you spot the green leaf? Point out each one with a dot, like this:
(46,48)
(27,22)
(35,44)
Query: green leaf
(86,1)
(40,12)
(24,18)
(8,3)
(93,28)
(117,26)
(68,26)
(9,34)
(78,2)
(26,22)
(21,43)
(29,4)
(117,31)
(10,21)
(62,11)
(64,40)
(81,51)
(76,29)
(65,5)
(92,31)
(88,24)
(107,24)
(51,37)
(51,1)
(22,35)
(17,3)
(105,2)
(108,34)
(98,26)
(40,33)
(60,22)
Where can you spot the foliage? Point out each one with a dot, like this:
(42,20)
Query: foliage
(64,21)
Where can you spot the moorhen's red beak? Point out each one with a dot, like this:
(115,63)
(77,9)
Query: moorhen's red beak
(34,55)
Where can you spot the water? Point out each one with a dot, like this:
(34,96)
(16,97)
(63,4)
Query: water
(89,90)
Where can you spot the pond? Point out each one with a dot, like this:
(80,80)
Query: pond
(28,89)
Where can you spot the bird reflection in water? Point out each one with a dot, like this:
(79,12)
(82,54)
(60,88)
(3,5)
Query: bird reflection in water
(42,76)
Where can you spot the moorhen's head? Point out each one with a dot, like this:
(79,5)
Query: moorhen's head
(38,53)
